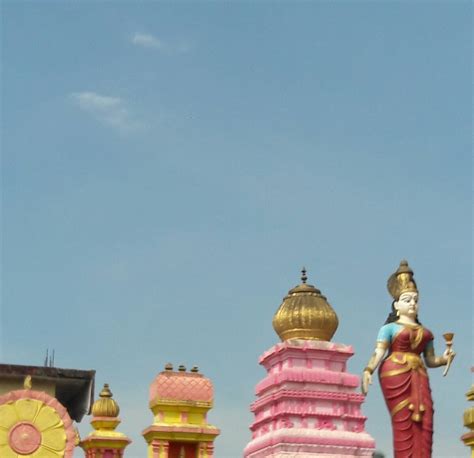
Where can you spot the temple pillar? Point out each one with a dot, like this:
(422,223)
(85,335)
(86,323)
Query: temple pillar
(165,445)
(210,450)
(157,450)
(202,450)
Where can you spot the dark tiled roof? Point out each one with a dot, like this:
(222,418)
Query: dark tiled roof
(74,388)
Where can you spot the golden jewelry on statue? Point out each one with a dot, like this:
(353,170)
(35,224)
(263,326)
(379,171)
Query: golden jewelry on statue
(369,370)
(398,313)
(401,281)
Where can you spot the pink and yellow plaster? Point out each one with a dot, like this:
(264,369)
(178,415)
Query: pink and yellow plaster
(307,404)
(34,424)
(104,441)
(180,401)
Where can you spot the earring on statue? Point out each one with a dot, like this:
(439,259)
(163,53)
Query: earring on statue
(398,313)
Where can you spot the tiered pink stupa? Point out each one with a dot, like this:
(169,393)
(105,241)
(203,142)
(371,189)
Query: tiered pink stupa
(307,404)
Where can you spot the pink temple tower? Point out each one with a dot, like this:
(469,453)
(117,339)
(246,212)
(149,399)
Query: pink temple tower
(307,405)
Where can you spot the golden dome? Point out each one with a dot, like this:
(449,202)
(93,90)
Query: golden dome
(305,314)
(105,406)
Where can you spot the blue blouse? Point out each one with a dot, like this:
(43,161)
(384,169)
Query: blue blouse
(388,331)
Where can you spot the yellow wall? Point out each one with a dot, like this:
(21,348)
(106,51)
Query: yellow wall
(16,383)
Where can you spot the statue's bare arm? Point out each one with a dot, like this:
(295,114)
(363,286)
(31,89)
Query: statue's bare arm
(374,361)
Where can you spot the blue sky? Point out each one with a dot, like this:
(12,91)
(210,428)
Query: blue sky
(167,168)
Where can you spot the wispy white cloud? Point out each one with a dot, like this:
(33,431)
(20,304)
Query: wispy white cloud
(147,40)
(110,111)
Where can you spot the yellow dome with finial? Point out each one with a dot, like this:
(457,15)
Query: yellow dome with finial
(105,406)
(305,314)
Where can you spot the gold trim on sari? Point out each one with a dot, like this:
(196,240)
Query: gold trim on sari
(410,361)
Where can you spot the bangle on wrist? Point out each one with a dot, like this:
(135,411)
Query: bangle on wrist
(369,370)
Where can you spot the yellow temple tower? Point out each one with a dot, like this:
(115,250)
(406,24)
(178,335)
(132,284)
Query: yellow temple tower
(468,438)
(104,441)
(180,401)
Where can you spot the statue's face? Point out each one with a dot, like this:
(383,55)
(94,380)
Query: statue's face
(407,305)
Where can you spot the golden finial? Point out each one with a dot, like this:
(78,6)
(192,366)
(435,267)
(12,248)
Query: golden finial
(169,367)
(77,437)
(303,275)
(27,384)
(305,314)
(470,394)
(182,368)
(195,369)
(105,392)
(105,406)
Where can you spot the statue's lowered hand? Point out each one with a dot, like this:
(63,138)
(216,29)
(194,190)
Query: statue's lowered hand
(366,381)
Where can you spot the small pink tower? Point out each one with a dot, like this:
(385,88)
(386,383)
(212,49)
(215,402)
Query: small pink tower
(180,401)
(307,405)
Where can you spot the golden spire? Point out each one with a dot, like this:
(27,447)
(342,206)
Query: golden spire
(303,275)
(305,314)
(105,406)
(104,421)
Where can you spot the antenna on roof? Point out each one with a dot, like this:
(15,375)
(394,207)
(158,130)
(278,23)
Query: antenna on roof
(49,360)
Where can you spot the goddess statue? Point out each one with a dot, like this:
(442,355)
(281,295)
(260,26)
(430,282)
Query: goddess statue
(402,373)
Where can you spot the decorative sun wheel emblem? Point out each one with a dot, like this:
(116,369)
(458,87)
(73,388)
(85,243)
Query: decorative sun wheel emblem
(34,424)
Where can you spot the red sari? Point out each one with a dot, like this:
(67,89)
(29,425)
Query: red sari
(407,392)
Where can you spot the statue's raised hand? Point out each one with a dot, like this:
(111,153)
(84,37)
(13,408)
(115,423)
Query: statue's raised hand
(448,355)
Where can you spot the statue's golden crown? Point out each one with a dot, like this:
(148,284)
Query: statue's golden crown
(401,281)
